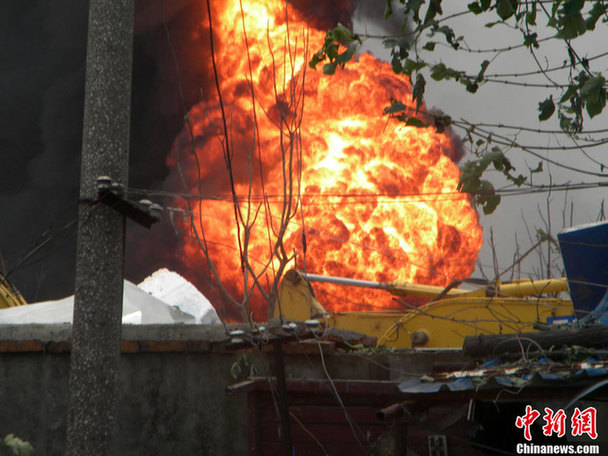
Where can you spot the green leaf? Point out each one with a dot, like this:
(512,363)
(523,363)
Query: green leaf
(346,55)
(531,15)
(519,180)
(440,72)
(472,170)
(482,190)
(403,47)
(430,46)
(17,446)
(546,108)
(499,160)
(482,71)
(396,106)
(569,93)
(418,90)
(555,7)
(472,86)
(449,34)
(470,174)
(388,9)
(396,64)
(342,34)
(596,106)
(399,53)
(503,164)
(389,43)
(565,122)
(572,7)
(530,39)
(412,65)
(415,122)
(490,203)
(485,4)
(591,88)
(316,58)
(338,36)
(492,24)
(593,94)
(475,8)
(413,7)
(330,68)
(570,27)
(596,12)
(433,10)
(505,8)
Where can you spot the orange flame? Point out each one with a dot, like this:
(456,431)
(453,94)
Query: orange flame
(375,199)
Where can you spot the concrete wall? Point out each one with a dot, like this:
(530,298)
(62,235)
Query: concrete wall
(173,381)
(172,401)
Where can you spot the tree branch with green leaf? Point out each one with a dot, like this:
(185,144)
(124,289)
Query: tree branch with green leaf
(415,53)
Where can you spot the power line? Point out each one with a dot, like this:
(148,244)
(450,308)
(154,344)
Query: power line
(387,252)
(376,198)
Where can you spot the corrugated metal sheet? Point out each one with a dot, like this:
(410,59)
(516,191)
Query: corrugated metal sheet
(499,374)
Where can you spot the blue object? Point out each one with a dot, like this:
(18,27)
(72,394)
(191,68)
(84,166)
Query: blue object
(492,363)
(504,381)
(585,254)
(562,320)
(599,314)
(550,376)
(462,384)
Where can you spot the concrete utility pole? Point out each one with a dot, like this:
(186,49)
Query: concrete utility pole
(96,332)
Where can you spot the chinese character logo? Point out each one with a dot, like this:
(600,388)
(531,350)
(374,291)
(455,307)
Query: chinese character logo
(524,422)
(584,422)
(555,422)
(581,422)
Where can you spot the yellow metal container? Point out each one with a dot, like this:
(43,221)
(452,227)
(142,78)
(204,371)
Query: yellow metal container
(443,323)
(9,296)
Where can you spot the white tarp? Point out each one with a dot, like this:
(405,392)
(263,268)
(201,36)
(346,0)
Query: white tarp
(173,289)
(160,303)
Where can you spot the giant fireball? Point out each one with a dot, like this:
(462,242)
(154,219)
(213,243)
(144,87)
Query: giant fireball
(366,196)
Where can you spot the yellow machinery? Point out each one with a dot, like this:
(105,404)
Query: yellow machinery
(444,322)
(9,296)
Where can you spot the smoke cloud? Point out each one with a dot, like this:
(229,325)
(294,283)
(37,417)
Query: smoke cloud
(41,113)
